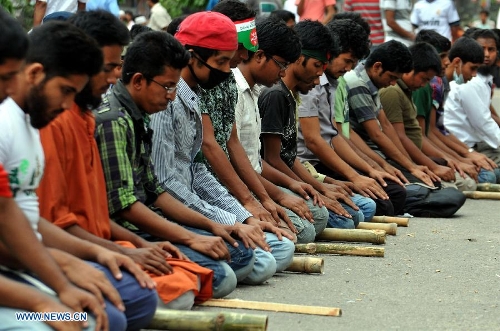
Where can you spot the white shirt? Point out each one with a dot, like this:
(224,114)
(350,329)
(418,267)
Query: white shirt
(62,5)
(402,9)
(21,154)
(437,15)
(467,112)
(248,120)
(159,18)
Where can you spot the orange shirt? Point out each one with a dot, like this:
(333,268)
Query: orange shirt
(73,190)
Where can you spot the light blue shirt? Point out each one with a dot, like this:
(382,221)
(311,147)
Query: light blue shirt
(107,5)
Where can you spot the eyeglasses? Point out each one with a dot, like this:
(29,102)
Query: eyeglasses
(283,66)
(168,89)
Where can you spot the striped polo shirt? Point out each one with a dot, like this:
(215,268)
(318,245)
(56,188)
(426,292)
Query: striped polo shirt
(370,11)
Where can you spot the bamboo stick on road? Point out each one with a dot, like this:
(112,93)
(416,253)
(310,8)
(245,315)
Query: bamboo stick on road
(317,248)
(168,319)
(309,265)
(488,187)
(353,235)
(389,228)
(482,195)
(400,221)
(272,306)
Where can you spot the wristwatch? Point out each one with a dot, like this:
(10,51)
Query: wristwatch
(470,150)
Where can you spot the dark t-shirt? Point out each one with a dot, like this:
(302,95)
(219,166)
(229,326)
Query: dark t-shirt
(278,109)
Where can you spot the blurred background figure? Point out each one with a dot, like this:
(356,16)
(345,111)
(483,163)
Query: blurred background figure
(484,21)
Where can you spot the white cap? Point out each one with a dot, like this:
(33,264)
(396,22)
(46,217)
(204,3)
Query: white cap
(140,20)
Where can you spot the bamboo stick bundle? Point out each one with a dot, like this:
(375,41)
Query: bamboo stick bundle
(389,228)
(351,235)
(488,187)
(168,319)
(309,265)
(400,221)
(341,249)
(482,195)
(272,306)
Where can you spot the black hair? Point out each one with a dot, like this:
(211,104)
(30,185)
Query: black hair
(467,50)
(154,1)
(393,55)
(14,42)
(486,34)
(103,26)
(313,35)
(484,11)
(425,58)
(283,14)
(129,12)
(438,41)
(350,37)
(137,29)
(276,38)
(64,50)
(234,9)
(469,32)
(356,17)
(173,27)
(151,52)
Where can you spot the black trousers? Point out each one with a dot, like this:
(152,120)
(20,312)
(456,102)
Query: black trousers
(397,193)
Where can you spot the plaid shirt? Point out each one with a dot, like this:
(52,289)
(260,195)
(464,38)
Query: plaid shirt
(124,141)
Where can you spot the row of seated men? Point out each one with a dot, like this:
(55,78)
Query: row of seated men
(214,151)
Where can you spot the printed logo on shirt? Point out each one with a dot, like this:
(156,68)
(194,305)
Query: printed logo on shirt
(18,176)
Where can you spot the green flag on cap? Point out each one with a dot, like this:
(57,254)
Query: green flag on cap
(247,34)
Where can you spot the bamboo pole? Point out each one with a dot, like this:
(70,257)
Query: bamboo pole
(400,221)
(482,195)
(488,187)
(316,248)
(309,265)
(389,228)
(369,236)
(167,319)
(272,306)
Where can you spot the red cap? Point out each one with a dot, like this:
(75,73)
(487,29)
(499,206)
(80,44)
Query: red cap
(209,30)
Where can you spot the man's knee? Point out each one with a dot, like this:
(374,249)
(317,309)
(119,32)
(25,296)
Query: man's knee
(227,284)
(183,302)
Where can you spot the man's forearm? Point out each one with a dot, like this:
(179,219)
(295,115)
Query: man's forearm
(20,241)
(79,232)
(119,233)
(39,12)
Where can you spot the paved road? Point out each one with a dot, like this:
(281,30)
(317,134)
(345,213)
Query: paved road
(437,274)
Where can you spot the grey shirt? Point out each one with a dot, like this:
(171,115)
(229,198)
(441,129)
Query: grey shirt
(319,102)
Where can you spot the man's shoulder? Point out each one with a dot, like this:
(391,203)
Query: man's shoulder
(108,111)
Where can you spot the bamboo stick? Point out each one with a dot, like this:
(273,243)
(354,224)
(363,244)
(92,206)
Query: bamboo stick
(488,187)
(167,319)
(389,228)
(400,221)
(370,236)
(316,248)
(309,265)
(482,195)
(272,306)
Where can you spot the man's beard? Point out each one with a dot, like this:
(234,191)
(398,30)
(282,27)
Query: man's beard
(37,107)
(485,70)
(86,100)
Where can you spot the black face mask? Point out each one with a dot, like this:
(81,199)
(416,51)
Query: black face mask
(215,77)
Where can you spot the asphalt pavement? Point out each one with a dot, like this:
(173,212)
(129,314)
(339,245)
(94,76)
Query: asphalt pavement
(437,274)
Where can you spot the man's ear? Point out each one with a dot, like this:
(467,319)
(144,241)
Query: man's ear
(137,81)
(260,56)
(35,73)
(455,62)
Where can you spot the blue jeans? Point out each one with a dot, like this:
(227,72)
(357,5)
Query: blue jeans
(341,222)
(308,231)
(140,303)
(487,176)
(268,263)
(366,205)
(225,279)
